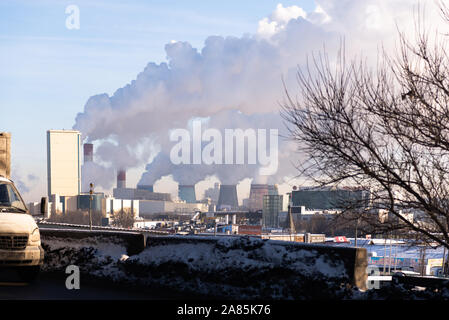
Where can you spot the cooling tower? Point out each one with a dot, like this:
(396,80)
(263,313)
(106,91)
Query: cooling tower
(187,193)
(227,198)
(148,187)
(121,179)
(88,152)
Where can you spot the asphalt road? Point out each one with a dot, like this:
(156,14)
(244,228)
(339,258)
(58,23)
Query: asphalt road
(52,287)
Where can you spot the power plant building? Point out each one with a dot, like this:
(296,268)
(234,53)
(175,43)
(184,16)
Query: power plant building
(140,194)
(5,154)
(85,203)
(257,193)
(147,187)
(187,193)
(272,206)
(148,208)
(63,162)
(330,198)
(116,205)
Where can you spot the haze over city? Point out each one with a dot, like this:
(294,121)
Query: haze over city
(120,80)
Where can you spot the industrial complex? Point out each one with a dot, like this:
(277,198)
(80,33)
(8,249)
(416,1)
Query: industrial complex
(64,165)
(264,213)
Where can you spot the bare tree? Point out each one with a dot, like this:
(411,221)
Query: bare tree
(386,130)
(78,217)
(123,218)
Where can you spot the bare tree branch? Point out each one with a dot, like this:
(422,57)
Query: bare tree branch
(386,130)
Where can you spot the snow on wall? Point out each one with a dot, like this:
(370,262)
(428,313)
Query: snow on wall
(239,252)
(238,267)
(96,256)
(232,267)
(217,267)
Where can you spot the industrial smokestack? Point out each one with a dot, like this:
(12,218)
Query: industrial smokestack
(121,179)
(147,187)
(88,152)
(227,198)
(187,193)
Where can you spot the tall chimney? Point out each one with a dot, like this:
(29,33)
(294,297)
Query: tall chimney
(121,179)
(88,152)
(228,197)
(187,193)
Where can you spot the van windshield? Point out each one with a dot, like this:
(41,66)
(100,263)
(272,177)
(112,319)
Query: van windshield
(10,198)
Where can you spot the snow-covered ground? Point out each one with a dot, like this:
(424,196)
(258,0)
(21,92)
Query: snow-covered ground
(229,267)
(226,266)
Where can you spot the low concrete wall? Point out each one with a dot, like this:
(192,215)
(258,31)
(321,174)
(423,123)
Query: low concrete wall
(354,259)
(248,267)
(232,267)
(426,282)
(133,241)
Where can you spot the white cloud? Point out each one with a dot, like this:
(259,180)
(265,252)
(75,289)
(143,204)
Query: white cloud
(318,16)
(279,19)
(285,14)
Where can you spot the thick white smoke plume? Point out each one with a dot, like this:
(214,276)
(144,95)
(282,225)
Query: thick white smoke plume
(226,173)
(132,126)
(97,174)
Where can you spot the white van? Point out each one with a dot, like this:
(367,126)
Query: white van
(20,241)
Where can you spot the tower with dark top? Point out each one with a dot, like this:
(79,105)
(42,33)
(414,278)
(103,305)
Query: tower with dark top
(121,179)
(227,199)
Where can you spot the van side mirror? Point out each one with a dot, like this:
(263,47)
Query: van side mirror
(44,206)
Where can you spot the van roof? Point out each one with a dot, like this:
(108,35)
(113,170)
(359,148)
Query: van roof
(2,178)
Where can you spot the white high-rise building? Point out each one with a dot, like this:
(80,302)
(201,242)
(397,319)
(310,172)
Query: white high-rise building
(64,162)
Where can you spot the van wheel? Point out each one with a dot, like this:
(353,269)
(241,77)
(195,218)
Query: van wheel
(29,274)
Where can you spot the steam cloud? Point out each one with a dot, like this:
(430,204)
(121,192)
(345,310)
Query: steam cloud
(226,173)
(234,82)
